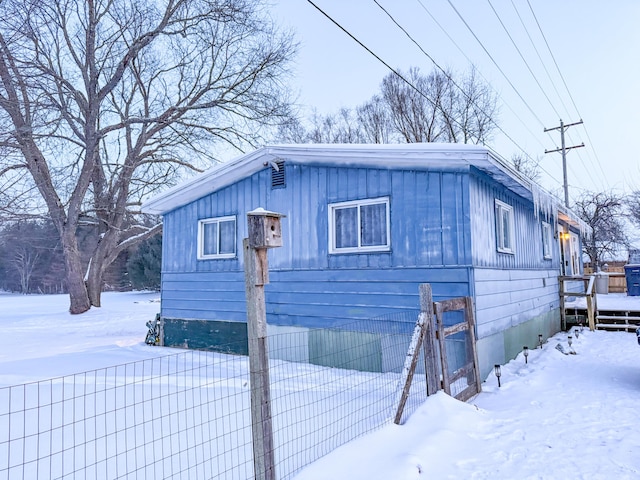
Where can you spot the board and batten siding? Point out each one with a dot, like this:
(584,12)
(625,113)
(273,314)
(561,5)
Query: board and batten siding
(483,193)
(429,218)
(430,243)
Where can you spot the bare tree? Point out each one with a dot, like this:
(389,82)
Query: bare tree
(105,100)
(410,108)
(604,213)
(414,104)
(633,207)
(24,262)
(292,131)
(374,119)
(341,127)
(527,166)
(469,109)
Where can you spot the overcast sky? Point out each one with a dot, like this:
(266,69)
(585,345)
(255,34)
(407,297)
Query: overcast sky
(595,44)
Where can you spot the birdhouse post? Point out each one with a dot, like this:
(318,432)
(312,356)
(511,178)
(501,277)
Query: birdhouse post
(264,232)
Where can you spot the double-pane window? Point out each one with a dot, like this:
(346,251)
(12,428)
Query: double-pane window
(547,235)
(359,226)
(217,238)
(504,228)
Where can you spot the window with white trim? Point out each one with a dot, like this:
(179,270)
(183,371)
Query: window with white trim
(547,235)
(359,226)
(217,238)
(505,239)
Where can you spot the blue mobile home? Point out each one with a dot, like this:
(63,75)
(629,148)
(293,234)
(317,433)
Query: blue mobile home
(364,226)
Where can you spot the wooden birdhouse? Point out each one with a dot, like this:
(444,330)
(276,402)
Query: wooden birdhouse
(265,229)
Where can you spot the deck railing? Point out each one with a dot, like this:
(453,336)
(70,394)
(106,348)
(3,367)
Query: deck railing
(579,286)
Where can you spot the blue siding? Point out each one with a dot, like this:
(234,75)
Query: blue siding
(528,229)
(308,298)
(442,226)
(429,212)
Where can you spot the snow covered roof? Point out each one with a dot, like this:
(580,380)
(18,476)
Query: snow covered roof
(415,156)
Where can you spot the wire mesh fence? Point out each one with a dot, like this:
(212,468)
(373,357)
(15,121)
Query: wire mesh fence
(187,415)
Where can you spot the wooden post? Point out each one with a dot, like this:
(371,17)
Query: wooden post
(591,312)
(422,336)
(563,315)
(410,366)
(429,341)
(264,232)
(255,265)
(471,320)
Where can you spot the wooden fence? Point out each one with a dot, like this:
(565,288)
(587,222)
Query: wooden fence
(617,279)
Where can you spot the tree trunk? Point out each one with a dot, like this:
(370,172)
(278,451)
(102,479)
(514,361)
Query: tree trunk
(79,300)
(94,282)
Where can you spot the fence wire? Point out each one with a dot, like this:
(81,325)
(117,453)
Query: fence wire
(187,415)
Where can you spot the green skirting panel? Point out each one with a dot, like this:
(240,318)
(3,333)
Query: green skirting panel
(506,345)
(343,349)
(216,336)
(368,352)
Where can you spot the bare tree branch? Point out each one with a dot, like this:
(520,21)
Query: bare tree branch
(604,213)
(106,102)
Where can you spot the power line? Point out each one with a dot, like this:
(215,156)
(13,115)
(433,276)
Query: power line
(377,57)
(436,64)
(503,74)
(553,84)
(495,63)
(372,53)
(411,85)
(460,88)
(435,20)
(544,66)
(552,56)
(599,163)
(506,30)
(500,69)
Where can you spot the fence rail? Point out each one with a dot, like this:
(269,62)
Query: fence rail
(187,415)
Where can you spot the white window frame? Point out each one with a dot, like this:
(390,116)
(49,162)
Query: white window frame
(547,240)
(218,220)
(501,210)
(333,207)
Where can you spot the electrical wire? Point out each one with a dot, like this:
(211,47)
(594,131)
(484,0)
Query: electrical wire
(461,17)
(377,57)
(506,30)
(535,48)
(599,163)
(522,122)
(527,155)
(542,62)
(495,63)
(411,85)
(372,53)
(446,74)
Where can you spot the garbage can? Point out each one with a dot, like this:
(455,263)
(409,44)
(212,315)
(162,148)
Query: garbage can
(632,275)
(602,283)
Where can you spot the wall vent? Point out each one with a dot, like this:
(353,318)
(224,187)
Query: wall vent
(278,179)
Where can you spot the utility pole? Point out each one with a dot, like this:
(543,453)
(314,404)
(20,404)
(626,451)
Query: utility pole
(564,150)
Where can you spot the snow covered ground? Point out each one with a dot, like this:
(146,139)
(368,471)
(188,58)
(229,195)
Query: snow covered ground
(557,416)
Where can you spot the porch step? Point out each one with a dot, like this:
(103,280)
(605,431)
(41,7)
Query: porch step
(617,322)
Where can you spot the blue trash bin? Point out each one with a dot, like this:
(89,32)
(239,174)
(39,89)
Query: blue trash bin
(632,275)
